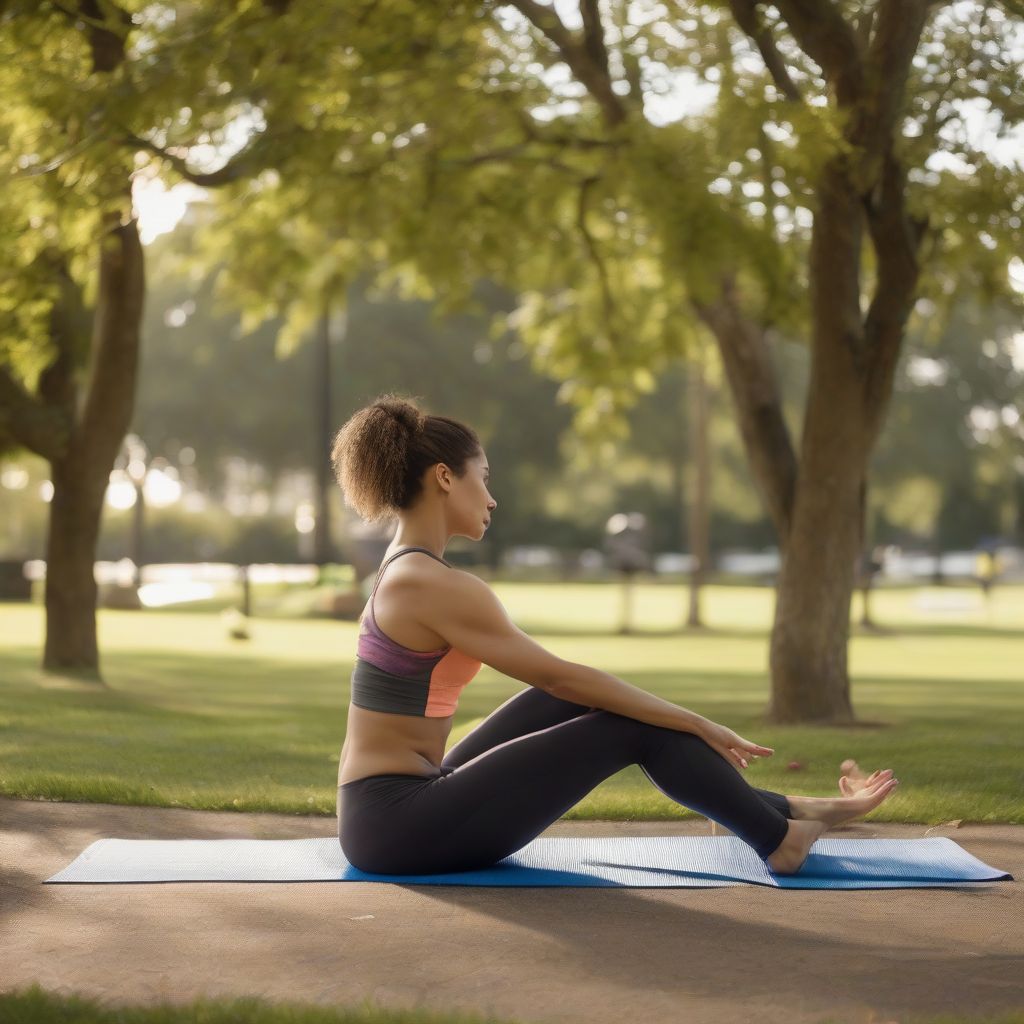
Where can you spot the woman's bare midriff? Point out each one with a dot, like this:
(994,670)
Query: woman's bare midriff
(378,743)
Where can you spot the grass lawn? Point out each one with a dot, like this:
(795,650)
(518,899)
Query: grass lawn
(36,1006)
(192,718)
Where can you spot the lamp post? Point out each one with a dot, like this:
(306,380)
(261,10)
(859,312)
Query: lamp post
(137,455)
(332,331)
(627,544)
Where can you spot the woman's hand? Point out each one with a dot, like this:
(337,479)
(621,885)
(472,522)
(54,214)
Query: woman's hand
(733,747)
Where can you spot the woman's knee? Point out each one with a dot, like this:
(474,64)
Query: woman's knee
(644,739)
(567,707)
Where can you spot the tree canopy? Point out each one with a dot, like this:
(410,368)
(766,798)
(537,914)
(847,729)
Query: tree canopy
(638,173)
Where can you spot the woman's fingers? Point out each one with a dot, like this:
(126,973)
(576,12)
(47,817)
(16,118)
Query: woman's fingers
(731,755)
(751,749)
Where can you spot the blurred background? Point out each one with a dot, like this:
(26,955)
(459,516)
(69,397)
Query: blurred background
(721,316)
(223,464)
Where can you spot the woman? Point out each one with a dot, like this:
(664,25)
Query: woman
(407,807)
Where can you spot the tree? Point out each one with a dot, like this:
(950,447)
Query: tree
(504,141)
(827,184)
(236,392)
(80,81)
(951,456)
(59,316)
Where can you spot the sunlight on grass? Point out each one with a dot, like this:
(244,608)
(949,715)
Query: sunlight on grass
(34,1005)
(193,718)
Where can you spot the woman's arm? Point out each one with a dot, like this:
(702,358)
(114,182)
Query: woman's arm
(464,610)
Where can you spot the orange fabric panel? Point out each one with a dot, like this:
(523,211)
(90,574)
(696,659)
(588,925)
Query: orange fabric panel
(450,676)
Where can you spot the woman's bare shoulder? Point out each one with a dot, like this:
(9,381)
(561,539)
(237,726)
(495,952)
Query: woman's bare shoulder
(466,611)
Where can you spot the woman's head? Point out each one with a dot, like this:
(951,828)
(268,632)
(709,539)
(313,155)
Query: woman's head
(390,458)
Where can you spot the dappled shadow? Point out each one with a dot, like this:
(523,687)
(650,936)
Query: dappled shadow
(904,950)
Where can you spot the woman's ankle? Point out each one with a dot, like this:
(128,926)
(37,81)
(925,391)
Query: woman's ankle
(797,807)
(791,853)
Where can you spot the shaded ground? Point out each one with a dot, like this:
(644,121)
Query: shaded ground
(537,955)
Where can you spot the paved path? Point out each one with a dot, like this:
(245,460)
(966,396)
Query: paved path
(703,956)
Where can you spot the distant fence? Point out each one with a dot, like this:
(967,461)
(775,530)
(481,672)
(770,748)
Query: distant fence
(197,580)
(899,565)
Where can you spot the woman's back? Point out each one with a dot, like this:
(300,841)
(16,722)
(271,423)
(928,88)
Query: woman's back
(403,696)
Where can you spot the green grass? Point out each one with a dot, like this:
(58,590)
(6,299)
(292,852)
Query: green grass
(192,718)
(33,1005)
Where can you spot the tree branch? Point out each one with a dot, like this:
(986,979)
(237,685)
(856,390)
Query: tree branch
(754,386)
(536,132)
(114,353)
(823,34)
(896,238)
(107,42)
(94,20)
(897,34)
(70,322)
(592,73)
(78,147)
(247,161)
(593,34)
(509,154)
(748,18)
(29,422)
(546,19)
(607,300)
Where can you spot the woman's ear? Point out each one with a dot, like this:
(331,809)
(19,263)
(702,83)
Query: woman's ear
(444,476)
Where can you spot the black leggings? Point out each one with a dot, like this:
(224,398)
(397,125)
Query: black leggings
(521,769)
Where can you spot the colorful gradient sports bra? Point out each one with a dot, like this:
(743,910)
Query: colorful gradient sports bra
(400,681)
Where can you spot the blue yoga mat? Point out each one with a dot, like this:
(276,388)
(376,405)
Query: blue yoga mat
(618,861)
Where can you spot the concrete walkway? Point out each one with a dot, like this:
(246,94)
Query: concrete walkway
(734,954)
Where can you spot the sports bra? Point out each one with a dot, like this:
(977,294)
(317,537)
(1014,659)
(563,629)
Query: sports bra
(398,680)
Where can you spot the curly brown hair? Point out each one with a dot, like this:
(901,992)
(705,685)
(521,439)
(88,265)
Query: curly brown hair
(380,453)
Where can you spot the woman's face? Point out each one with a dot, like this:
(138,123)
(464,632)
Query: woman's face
(471,501)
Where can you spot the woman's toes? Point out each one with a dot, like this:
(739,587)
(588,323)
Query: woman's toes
(857,782)
(879,794)
(862,802)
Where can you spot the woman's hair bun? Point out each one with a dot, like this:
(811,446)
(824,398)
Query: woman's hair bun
(372,452)
(381,452)
(402,410)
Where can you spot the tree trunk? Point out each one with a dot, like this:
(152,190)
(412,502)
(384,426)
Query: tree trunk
(323,547)
(139,533)
(80,475)
(816,503)
(677,410)
(816,500)
(72,531)
(811,629)
(700,547)
(1018,493)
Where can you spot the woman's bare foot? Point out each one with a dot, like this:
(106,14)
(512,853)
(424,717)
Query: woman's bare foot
(788,857)
(832,811)
(854,780)
(850,784)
